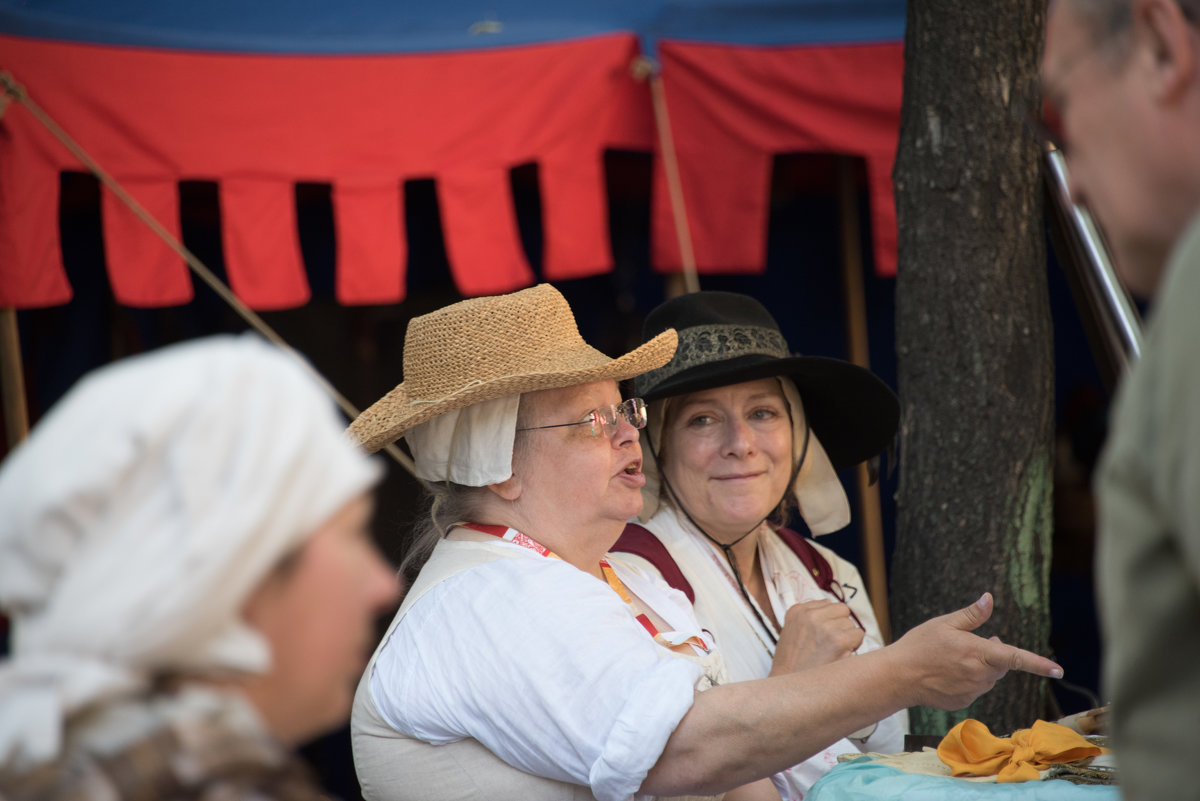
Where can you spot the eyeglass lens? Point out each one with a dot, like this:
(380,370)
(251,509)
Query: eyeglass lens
(633,410)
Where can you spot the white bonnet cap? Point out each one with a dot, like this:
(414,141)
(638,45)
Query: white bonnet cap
(142,512)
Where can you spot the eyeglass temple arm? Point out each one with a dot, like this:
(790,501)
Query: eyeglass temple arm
(557,425)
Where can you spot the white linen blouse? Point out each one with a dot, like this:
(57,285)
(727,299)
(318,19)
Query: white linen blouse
(543,664)
(746,649)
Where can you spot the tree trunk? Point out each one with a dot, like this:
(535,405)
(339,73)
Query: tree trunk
(973,339)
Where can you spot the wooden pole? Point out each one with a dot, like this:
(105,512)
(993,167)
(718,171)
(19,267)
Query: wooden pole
(666,142)
(12,380)
(870,516)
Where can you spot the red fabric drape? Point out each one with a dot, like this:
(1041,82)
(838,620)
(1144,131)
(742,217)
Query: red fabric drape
(257,124)
(733,108)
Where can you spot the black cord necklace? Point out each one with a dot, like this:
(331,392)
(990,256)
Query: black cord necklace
(728,549)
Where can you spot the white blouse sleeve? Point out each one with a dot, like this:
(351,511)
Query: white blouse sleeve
(544,665)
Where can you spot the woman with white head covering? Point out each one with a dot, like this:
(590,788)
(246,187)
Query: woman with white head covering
(741,432)
(185,561)
(528,663)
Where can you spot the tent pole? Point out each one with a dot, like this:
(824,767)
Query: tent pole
(12,377)
(12,380)
(871,519)
(662,123)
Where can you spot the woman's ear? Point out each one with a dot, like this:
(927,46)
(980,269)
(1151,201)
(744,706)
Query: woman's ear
(509,489)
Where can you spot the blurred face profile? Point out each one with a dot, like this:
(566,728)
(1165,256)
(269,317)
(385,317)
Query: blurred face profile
(317,612)
(1095,82)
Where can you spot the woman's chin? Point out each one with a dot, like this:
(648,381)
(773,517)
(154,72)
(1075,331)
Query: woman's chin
(735,523)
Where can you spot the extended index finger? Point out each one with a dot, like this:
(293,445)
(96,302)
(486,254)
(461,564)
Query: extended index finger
(1009,657)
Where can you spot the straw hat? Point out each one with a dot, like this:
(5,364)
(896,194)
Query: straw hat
(485,348)
(727,338)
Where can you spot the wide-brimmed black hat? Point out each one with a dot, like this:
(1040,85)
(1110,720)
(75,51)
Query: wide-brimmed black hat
(727,338)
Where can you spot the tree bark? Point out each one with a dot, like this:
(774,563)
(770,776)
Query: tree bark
(973,339)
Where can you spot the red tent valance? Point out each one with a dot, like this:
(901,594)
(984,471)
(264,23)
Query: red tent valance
(257,124)
(733,108)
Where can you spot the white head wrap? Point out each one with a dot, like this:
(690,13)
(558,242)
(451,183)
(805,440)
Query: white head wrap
(472,446)
(819,492)
(142,512)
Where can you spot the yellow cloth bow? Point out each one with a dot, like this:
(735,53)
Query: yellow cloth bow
(971,750)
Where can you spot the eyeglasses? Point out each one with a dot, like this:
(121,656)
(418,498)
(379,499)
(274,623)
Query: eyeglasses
(605,419)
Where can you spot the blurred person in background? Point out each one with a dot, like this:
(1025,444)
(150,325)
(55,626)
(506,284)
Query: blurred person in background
(1124,76)
(186,562)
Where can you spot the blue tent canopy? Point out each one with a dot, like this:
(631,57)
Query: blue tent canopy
(372,26)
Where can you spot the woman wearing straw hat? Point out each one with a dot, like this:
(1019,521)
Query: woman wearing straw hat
(526,663)
(186,561)
(740,433)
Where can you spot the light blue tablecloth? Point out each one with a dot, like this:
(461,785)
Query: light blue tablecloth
(863,780)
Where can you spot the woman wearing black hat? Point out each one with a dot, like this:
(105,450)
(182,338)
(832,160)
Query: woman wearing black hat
(741,433)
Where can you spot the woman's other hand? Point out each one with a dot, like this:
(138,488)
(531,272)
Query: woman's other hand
(815,633)
(951,667)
